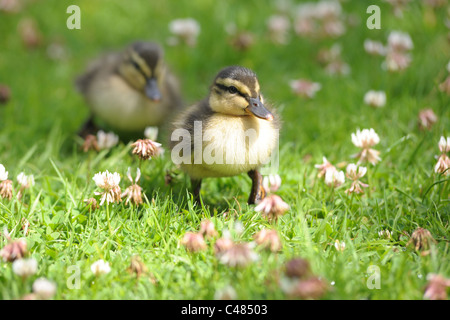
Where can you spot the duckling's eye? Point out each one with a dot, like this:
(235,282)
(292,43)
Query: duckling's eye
(232,89)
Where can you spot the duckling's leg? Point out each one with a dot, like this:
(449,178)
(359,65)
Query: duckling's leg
(89,127)
(196,185)
(257,192)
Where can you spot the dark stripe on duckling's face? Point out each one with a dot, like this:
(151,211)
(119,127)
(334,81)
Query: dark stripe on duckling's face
(149,73)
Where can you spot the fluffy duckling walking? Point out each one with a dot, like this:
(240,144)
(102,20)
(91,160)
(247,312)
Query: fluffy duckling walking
(230,132)
(129,90)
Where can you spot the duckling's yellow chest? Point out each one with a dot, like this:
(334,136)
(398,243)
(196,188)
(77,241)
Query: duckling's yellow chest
(230,145)
(123,107)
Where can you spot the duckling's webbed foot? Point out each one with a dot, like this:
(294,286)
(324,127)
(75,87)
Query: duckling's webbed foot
(196,186)
(258,192)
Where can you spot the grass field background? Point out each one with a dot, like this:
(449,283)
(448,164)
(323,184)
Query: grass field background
(38,136)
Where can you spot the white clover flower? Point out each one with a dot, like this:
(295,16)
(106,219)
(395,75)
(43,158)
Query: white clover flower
(324,167)
(278,28)
(106,140)
(146,149)
(396,61)
(272,206)
(151,133)
(100,267)
(3,173)
(340,246)
(355,172)
(374,47)
(271,183)
(239,255)
(386,234)
(25,267)
(400,41)
(305,87)
(185,29)
(24,180)
(334,178)
(375,99)
(365,139)
(444,144)
(109,182)
(226,293)
(133,192)
(43,288)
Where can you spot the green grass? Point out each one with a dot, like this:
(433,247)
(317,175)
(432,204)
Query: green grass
(37,136)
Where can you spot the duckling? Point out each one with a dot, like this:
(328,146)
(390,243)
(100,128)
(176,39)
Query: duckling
(230,132)
(130,90)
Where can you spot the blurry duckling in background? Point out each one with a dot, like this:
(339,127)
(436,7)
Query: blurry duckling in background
(236,132)
(128,91)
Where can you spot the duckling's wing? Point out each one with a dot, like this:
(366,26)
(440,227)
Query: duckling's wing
(102,66)
(199,112)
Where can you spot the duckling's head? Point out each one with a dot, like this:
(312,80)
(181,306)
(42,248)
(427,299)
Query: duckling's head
(235,91)
(142,67)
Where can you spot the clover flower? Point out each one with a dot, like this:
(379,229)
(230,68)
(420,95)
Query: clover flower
(427,118)
(226,293)
(278,26)
(443,163)
(400,41)
(193,242)
(43,288)
(100,267)
(238,255)
(340,246)
(109,182)
(133,192)
(268,239)
(334,178)
(5,184)
(25,182)
(272,207)
(106,140)
(15,249)
(184,30)
(25,267)
(137,266)
(146,149)
(324,167)
(271,183)
(91,203)
(222,245)
(151,133)
(436,288)
(366,139)
(376,99)
(421,240)
(321,19)
(375,48)
(305,88)
(385,234)
(3,173)
(355,173)
(397,56)
(207,229)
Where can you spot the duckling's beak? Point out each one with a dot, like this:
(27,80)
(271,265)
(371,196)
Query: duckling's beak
(151,90)
(256,108)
